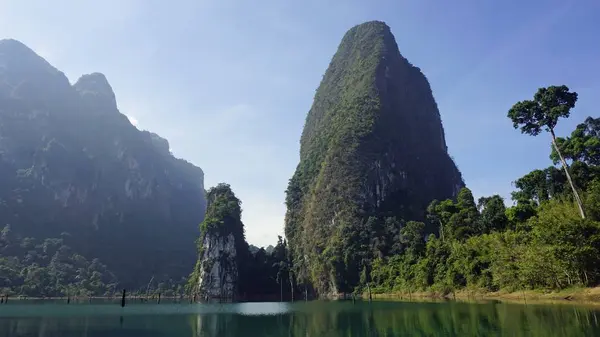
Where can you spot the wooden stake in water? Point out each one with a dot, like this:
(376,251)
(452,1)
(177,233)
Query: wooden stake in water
(158,301)
(123,298)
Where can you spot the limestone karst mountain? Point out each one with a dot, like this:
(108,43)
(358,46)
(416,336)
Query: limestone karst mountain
(73,168)
(372,155)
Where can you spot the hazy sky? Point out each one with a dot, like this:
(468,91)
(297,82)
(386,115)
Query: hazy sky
(229,83)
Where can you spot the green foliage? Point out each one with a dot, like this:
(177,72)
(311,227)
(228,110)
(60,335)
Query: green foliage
(493,214)
(223,214)
(542,113)
(411,236)
(548,105)
(583,144)
(49,267)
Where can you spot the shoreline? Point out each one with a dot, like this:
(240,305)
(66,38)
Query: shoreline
(567,296)
(589,296)
(87,298)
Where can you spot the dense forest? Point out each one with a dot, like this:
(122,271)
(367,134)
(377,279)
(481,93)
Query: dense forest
(51,268)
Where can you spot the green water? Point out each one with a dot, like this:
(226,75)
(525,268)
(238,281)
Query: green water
(312,319)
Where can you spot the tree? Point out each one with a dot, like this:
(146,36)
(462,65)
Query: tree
(542,113)
(282,264)
(493,213)
(439,213)
(540,185)
(583,144)
(465,221)
(412,236)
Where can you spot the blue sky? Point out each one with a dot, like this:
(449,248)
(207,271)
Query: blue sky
(229,83)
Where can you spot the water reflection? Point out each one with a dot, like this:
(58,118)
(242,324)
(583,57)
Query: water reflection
(316,319)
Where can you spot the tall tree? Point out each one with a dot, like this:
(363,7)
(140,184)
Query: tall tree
(542,113)
(465,221)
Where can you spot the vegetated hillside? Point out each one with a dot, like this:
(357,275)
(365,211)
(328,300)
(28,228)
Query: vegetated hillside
(373,156)
(74,170)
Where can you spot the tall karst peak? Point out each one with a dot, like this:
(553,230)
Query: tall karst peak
(373,155)
(370,29)
(95,88)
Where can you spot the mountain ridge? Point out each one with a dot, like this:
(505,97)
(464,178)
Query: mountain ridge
(72,162)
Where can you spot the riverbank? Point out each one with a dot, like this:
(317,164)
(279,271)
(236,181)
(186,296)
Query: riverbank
(579,295)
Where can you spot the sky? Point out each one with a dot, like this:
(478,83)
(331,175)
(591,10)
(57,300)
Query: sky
(229,83)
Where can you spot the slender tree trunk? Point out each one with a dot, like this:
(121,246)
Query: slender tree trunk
(292,284)
(566,168)
(280,291)
(148,287)
(305,292)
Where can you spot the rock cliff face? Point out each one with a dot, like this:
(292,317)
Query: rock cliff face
(219,270)
(372,155)
(221,247)
(71,162)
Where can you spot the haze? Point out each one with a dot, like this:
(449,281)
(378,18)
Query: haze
(229,83)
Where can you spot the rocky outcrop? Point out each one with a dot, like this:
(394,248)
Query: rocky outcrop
(219,270)
(222,247)
(95,90)
(372,155)
(71,162)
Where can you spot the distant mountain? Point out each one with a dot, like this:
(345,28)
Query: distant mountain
(372,156)
(73,167)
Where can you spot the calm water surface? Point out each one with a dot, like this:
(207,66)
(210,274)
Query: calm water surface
(312,319)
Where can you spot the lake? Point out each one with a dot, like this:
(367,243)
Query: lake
(301,319)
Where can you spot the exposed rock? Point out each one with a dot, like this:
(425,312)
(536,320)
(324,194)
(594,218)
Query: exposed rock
(161,144)
(95,91)
(373,146)
(71,162)
(24,74)
(219,271)
(222,247)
